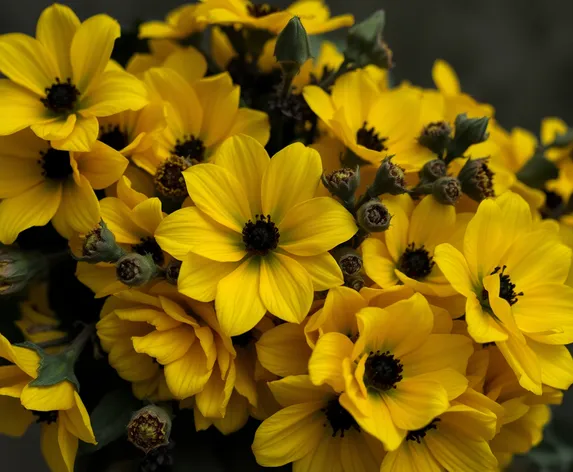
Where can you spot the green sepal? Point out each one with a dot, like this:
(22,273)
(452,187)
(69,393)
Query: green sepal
(562,140)
(537,170)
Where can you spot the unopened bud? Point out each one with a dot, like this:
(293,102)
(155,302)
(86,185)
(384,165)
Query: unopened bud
(469,131)
(149,428)
(436,137)
(447,190)
(348,259)
(477,179)
(373,216)
(365,44)
(99,246)
(18,268)
(389,179)
(135,270)
(292,48)
(433,170)
(172,271)
(342,183)
(355,282)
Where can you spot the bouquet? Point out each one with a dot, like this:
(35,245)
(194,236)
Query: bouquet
(225,233)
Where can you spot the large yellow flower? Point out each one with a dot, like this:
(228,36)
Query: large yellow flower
(58,408)
(40,184)
(257,239)
(512,273)
(314,432)
(58,83)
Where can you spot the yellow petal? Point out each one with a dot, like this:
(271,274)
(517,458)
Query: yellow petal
(82,137)
(319,102)
(68,445)
(286,288)
(165,346)
(378,263)
(325,364)
(51,448)
(253,123)
(445,78)
(524,362)
(556,364)
(18,175)
(116,215)
(102,166)
(15,418)
(291,178)
(482,326)
(54,397)
(56,129)
(18,108)
(550,128)
(188,63)
(77,421)
(148,215)
(91,49)
(236,416)
(454,266)
(397,235)
(323,270)
(431,223)
(213,400)
(126,192)
(188,375)
(410,456)
(35,207)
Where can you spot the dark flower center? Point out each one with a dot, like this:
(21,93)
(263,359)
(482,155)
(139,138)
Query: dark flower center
(554,205)
(148,245)
(190,148)
(169,180)
(506,287)
(369,138)
(382,371)
(416,263)
(261,236)
(338,418)
(47,417)
(61,97)
(55,164)
(418,434)
(258,10)
(114,137)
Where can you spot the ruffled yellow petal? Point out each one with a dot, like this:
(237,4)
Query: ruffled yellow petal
(15,419)
(455,268)
(18,108)
(188,375)
(482,326)
(82,137)
(523,360)
(283,350)
(56,129)
(325,364)
(556,364)
(165,346)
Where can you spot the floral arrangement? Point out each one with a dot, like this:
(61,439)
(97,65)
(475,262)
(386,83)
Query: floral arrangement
(233,224)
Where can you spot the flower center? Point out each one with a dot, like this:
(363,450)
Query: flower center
(55,164)
(114,137)
(418,434)
(258,10)
(148,245)
(369,138)
(506,287)
(435,136)
(169,180)
(261,236)
(61,97)
(191,148)
(47,417)
(416,263)
(338,418)
(382,371)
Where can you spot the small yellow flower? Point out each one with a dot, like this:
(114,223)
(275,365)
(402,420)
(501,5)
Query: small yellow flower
(180,23)
(58,83)
(40,184)
(257,240)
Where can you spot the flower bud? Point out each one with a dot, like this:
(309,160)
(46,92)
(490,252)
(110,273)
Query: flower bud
(447,190)
(135,270)
(469,131)
(18,268)
(342,183)
(292,48)
(355,282)
(99,246)
(436,137)
(149,428)
(389,179)
(172,271)
(477,179)
(433,170)
(348,259)
(373,216)
(365,44)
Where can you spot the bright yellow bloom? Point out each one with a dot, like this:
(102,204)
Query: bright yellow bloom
(512,273)
(58,408)
(180,23)
(257,240)
(404,253)
(370,123)
(40,184)
(58,83)
(314,432)
(314,15)
(399,375)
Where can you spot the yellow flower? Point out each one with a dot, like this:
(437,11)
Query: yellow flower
(180,23)
(370,123)
(257,240)
(314,432)
(40,184)
(314,15)
(399,375)
(404,254)
(512,273)
(58,83)
(58,408)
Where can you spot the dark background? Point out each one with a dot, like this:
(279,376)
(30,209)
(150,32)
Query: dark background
(515,54)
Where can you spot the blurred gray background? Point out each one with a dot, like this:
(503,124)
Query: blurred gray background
(515,54)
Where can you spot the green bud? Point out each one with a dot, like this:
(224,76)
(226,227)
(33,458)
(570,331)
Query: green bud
(389,179)
(172,271)
(348,259)
(149,428)
(355,282)
(447,190)
(136,270)
(373,216)
(433,170)
(436,137)
(365,44)
(292,48)
(342,183)
(18,268)
(469,131)
(100,246)
(477,179)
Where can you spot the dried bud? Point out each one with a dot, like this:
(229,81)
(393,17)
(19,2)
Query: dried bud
(18,268)
(292,48)
(99,246)
(373,216)
(172,271)
(389,179)
(433,170)
(149,428)
(365,44)
(447,190)
(169,180)
(355,282)
(477,179)
(469,131)
(342,183)
(436,137)
(348,259)
(135,270)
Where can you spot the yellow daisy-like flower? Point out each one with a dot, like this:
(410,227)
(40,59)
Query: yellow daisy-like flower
(314,15)
(58,408)
(314,432)
(404,253)
(512,274)
(58,83)
(399,375)
(370,123)
(257,240)
(180,23)
(40,184)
